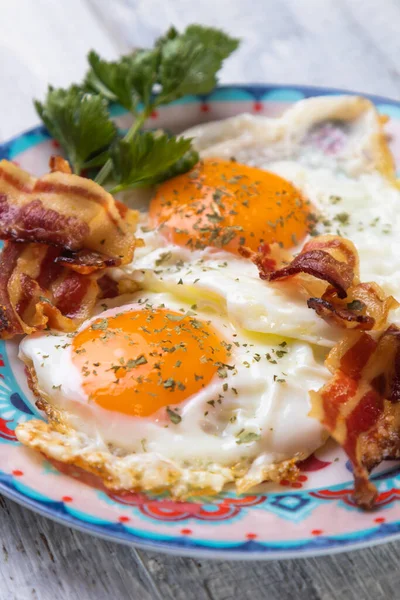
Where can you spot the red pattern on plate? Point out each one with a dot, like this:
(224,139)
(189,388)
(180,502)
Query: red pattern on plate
(312,463)
(383,499)
(172,510)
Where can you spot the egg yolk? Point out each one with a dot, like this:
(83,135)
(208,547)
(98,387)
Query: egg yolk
(140,361)
(226,204)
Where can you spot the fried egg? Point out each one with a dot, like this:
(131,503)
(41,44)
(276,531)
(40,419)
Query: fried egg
(323,167)
(157,387)
(192,232)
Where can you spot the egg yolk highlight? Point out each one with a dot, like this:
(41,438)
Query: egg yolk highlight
(140,361)
(226,204)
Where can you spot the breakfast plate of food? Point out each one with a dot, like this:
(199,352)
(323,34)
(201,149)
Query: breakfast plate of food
(199,316)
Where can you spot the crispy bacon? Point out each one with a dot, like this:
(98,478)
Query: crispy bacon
(32,222)
(62,232)
(322,265)
(63,210)
(338,316)
(342,300)
(360,405)
(25,306)
(329,258)
(58,163)
(87,261)
(9,319)
(268,258)
(108,287)
(365,307)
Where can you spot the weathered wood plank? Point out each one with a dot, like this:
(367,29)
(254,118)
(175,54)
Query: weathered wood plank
(370,574)
(44,560)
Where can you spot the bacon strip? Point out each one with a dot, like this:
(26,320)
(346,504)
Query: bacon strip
(365,307)
(63,210)
(360,405)
(343,301)
(321,265)
(267,259)
(26,306)
(329,258)
(87,261)
(338,316)
(32,222)
(61,232)
(9,319)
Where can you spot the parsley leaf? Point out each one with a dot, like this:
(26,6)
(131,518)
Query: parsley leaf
(182,165)
(111,79)
(174,417)
(144,160)
(136,362)
(245,437)
(144,66)
(79,121)
(190,61)
(128,81)
(102,325)
(356,305)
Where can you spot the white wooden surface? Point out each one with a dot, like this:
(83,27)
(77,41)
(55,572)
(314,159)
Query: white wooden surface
(353,44)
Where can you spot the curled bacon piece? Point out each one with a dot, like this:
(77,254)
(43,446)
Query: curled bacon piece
(32,222)
(58,163)
(63,210)
(87,261)
(360,405)
(327,257)
(322,265)
(35,292)
(267,259)
(366,307)
(62,231)
(343,301)
(329,312)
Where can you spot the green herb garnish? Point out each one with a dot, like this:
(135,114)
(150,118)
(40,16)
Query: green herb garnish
(174,417)
(138,164)
(79,121)
(245,437)
(102,325)
(78,117)
(356,305)
(136,362)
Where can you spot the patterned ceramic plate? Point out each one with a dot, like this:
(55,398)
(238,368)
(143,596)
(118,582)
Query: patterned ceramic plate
(314,515)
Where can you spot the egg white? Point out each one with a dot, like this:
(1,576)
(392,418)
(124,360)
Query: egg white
(230,283)
(267,399)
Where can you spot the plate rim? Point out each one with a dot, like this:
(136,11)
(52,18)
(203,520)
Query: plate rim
(308,90)
(204,551)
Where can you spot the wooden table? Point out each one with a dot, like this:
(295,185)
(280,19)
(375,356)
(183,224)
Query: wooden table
(352,44)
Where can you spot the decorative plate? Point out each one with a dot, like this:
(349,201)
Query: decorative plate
(314,515)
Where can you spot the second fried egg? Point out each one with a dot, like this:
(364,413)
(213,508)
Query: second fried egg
(323,167)
(161,378)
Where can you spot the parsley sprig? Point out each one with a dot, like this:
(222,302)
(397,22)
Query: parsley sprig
(80,122)
(179,64)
